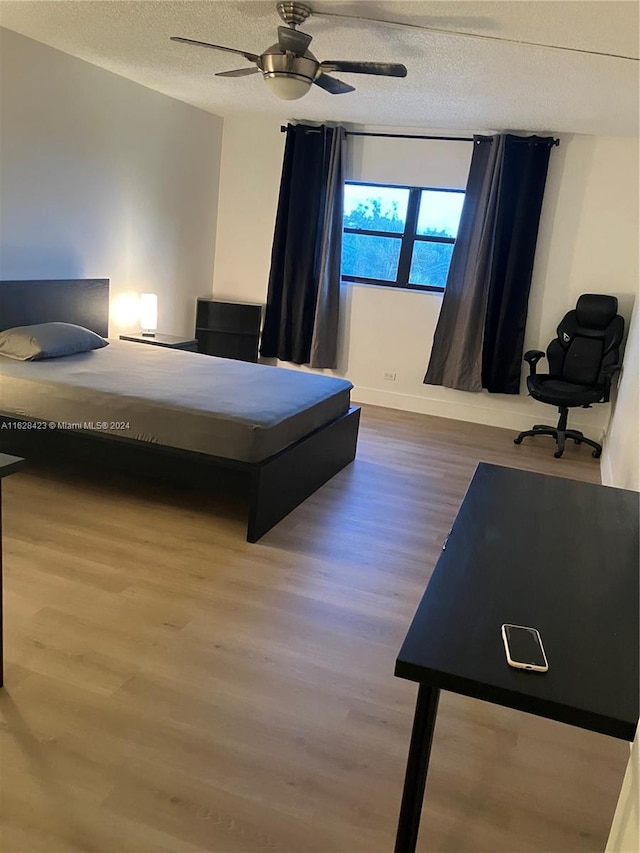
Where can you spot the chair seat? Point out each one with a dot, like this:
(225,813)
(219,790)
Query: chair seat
(547,389)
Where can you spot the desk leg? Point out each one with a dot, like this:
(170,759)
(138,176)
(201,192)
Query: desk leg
(1,604)
(415,779)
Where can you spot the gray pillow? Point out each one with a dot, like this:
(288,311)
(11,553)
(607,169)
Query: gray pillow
(48,340)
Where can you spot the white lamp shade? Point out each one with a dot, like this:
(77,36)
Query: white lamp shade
(287,87)
(148,312)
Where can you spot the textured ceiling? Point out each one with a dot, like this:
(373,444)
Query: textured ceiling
(452,82)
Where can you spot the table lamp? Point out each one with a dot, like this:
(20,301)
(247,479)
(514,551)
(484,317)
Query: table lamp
(148,314)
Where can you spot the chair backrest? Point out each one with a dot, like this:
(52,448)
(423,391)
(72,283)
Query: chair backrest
(588,341)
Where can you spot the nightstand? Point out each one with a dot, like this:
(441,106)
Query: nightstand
(169,341)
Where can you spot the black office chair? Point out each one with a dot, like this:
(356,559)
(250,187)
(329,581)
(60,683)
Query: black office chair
(583,360)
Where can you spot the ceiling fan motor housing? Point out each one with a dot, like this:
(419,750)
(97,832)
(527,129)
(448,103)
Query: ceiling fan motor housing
(274,63)
(292,13)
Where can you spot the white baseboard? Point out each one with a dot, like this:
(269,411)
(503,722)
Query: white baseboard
(490,416)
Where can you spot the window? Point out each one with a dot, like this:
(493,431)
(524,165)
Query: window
(399,236)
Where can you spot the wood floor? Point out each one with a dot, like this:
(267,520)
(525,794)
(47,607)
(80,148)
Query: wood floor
(170,687)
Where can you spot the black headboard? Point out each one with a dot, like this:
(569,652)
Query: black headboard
(84,302)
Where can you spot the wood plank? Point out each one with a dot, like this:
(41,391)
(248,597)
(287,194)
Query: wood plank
(170,687)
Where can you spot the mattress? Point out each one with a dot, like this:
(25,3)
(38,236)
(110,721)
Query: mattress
(220,407)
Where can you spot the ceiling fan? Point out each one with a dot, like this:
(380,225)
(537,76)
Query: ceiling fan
(288,66)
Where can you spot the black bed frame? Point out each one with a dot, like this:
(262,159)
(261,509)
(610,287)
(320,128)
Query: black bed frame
(275,485)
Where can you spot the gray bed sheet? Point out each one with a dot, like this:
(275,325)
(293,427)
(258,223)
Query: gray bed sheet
(184,400)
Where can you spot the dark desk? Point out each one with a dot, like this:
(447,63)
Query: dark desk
(8,465)
(545,552)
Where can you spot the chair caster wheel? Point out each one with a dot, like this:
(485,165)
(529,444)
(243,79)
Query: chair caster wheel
(596,454)
(517,440)
(558,454)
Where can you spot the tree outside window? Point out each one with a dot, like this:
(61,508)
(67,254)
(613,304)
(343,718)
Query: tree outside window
(399,236)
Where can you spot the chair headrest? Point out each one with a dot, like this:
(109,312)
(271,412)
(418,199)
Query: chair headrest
(595,310)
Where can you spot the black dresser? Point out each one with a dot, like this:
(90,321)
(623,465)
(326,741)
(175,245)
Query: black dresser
(228,329)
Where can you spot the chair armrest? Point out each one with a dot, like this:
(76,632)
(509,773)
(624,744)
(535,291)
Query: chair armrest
(609,373)
(532,357)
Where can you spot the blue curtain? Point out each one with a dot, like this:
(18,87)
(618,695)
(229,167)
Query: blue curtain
(302,314)
(479,337)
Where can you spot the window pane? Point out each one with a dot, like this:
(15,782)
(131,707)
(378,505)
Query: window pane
(372,208)
(365,256)
(430,263)
(439,213)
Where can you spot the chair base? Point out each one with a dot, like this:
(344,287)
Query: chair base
(561,434)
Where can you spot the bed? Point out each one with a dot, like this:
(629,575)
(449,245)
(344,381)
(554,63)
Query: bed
(280,433)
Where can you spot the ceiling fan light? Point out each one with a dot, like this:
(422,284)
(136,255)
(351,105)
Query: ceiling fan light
(287,87)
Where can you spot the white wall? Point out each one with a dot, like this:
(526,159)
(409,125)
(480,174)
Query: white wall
(624,836)
(621,452)
(587,242)
(251,163)
(621,468)
(101,177)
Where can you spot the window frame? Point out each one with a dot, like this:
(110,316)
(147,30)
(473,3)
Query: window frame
(408,238)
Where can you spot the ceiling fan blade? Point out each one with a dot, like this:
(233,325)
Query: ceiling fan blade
(252,57)
(293,40)
(239,72)
(382,69)
(333,86)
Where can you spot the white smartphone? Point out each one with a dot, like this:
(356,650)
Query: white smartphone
(524,649)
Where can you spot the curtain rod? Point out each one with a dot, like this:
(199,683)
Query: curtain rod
(283,129)
(411,136)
